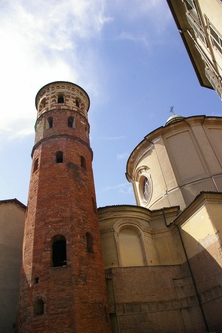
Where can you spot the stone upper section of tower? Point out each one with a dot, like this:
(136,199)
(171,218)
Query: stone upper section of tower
(62,111)
(63,95)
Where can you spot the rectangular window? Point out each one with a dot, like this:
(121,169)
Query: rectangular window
(190,3)
(196,27)
(215,38)
(190,6)
(214,82)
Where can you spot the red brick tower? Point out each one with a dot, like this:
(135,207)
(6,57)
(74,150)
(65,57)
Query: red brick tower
(62,286)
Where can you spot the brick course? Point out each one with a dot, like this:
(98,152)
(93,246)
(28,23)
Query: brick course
(155,299)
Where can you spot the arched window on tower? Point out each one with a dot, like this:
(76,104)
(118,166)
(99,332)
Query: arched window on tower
(77,103)
(58,251)
(87,132)
(42,104)
(60,98)
(71,122)
(89,242)
(49,122)
(38,307)
(83,162)
(36,165)
(59,157)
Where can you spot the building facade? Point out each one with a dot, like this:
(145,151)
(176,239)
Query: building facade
(175,162)
(199,23)
(163,257)
(149,268)
(12,217)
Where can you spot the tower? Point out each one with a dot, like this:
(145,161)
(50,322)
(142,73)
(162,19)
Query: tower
(62,284)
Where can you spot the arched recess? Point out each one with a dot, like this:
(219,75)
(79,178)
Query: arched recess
(60,98)
(130,246)
(36,165)
(49,123)
(83,162)
(58,251)
(89,242)
(71,122)
(38,307)
(59,157)
(42,103)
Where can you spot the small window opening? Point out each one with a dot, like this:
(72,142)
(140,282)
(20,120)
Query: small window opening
(59,157)
(38,308)
(36,280)
(60,99)
(77,103)
(50,122)
(89,242)
(42,104)
(70,122)
(83,162)
(36,164)
(87,132)
(58,251)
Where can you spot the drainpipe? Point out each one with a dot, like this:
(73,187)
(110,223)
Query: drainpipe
(190,270)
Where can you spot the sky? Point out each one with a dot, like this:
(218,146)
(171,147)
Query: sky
(126,54)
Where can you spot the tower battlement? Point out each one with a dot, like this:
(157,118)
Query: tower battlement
(63,95)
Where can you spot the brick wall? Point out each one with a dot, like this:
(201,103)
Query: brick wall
(206,268)
(154,299)
(62,202)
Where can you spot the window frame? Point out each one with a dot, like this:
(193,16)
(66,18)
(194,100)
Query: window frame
(36,165)
(59,157)
(71,122)
(38,307)
(216,42)
(83,162)
(49,122)
(89,242)
(60,98)
(61,262)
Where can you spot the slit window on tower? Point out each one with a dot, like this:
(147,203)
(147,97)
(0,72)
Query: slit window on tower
(77,103)
(94,205)
(71,122)
(83,162)
(38,308)
(50,122)
(89,242)
(60,99)
(59,157)
(58,251)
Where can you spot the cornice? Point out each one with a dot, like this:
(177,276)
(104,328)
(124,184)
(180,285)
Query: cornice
(14,201)
(200,201)
(148,143)
(66,136)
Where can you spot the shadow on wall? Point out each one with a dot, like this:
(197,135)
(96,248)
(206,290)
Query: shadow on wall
(168,298)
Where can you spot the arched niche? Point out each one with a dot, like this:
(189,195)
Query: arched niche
(130,247)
